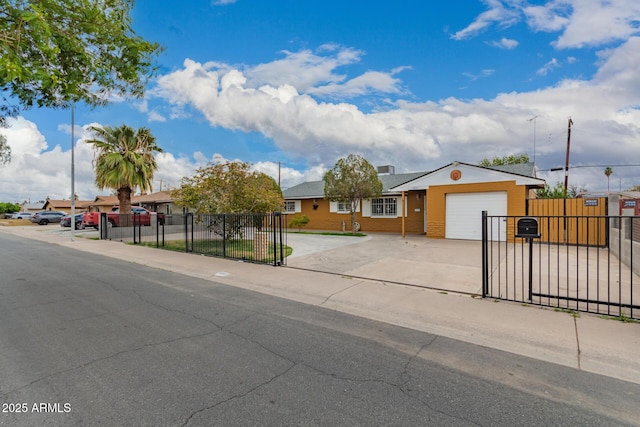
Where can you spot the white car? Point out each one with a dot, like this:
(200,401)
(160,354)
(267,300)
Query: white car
(22,215)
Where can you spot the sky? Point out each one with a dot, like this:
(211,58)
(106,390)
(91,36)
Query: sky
(293,86)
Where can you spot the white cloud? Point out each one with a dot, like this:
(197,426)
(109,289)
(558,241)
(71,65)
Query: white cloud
(418,136)
(586,22)
(482,74)
(579,22)
(304,69)
(502,13)
(154,116)
(37,172)
(504,43)
(549,66)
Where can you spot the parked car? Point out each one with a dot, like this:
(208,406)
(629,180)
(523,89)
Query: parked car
(45,217)
(139,216)
(66,221)
(22,215)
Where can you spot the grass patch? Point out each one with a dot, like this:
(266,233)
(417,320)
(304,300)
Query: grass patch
(572,313)
(237,249)
(10,222)
(328,233)
(622,318)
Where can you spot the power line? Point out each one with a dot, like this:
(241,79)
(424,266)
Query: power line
(586,166)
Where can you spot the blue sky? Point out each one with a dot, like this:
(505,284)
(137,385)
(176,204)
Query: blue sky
(412,84)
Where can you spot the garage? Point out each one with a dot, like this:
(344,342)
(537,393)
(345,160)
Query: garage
(464,215)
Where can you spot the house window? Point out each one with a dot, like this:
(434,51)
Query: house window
(290,206)
(385,206)
(344,207)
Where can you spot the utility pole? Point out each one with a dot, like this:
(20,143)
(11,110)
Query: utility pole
(533,119)
(566,163)
(73,177)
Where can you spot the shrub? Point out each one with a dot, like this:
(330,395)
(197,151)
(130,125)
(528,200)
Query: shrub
(298,221)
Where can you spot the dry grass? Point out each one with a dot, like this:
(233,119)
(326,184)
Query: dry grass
(15,222)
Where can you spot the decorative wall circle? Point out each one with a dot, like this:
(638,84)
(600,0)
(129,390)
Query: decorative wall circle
(456,174)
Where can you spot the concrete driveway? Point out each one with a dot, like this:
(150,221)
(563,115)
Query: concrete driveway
(449,265)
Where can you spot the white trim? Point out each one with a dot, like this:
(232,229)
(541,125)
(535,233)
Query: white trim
(297,206)
(333,208)
(469,175)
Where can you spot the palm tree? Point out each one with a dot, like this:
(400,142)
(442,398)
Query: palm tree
(608,171)
(124,160)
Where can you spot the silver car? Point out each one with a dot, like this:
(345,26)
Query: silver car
(22,215)
(46,217)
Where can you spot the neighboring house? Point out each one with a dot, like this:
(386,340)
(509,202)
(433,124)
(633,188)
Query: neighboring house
(31,207)
(155,202)
(444,203)
(103,204)
(65,205)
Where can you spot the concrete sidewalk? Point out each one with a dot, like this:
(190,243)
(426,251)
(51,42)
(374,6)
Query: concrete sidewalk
(587,342)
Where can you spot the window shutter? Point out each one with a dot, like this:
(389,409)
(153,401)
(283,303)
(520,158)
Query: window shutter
(333,207)
(298,207)
(366,207)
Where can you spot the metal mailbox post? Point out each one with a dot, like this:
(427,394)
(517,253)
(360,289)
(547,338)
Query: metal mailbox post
(527,228)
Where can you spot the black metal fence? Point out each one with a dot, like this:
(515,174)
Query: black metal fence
(592,265)
(257,238)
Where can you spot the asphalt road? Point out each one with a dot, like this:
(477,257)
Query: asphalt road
(89,340)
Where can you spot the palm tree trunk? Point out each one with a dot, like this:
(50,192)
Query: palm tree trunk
(124,199)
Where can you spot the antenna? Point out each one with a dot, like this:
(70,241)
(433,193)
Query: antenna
(533,119)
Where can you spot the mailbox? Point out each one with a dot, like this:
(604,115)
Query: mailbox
(527,227)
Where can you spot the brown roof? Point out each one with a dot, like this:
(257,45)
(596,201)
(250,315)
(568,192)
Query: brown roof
(158,197)
(105,201)
(66,204)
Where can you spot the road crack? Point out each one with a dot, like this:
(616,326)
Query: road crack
(579,355)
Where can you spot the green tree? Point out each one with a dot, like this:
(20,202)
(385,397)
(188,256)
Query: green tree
(5,150)
(634,188)
(230,187)
(56,52)
(556,192)
(352,179)
(124,161)
(6,207)
(505,160)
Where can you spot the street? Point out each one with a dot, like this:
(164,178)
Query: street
(91,340)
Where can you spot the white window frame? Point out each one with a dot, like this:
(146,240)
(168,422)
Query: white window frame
(297,206)
(342,208)
(387,204)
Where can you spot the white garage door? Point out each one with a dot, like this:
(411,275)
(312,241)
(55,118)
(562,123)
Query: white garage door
(464,215)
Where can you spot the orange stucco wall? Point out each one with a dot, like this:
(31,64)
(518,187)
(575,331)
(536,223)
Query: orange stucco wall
(437,206)
(322,219)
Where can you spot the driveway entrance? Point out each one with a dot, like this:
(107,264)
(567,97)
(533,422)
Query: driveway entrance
(449,265)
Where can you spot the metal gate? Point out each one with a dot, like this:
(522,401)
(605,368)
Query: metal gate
(586,276)
(253,237)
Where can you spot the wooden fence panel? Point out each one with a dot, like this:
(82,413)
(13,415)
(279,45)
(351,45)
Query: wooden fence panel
(572,221)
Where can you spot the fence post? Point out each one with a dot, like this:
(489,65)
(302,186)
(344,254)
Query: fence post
(188,218)
(485,268)
(274,215)
(224,235)
(281,240)
(104,226)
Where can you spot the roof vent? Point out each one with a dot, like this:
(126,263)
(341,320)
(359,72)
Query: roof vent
(386,170)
